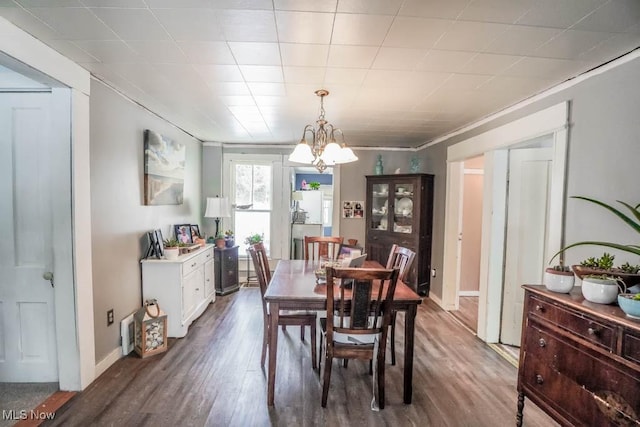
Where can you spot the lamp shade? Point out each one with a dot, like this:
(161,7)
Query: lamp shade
(297,196)
(302,153)
(217,207)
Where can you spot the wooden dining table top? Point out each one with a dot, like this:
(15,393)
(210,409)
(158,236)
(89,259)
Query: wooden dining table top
(295,281)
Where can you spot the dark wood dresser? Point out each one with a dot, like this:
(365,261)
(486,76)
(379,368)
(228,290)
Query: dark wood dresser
(579,361)
(226,270)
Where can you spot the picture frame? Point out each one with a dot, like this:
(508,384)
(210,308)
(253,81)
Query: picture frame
(155,244)
(183,233)
(195,232)
(164,169)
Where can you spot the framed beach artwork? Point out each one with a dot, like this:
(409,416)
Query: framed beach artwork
(164,161)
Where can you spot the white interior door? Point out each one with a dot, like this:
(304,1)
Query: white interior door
(27,319)
(527,216)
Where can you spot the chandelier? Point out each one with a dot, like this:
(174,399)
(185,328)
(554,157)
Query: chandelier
(324,150)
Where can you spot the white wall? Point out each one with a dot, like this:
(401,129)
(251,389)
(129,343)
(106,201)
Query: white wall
(119,218)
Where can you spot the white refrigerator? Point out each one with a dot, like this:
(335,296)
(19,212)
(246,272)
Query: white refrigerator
(311,203)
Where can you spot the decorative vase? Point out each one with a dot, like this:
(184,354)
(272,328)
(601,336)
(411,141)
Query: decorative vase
(379,165)
(229,243)
(629,305)
(220,243)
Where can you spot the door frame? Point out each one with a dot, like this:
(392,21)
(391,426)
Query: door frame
(71,83)
(494,145)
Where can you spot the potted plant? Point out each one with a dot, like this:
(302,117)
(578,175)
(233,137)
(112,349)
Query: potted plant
(220,241)
(228,238)
(559,278)
(633,221)
(630,304)
(252,239)
(171,249)
(601,288)
(315,185)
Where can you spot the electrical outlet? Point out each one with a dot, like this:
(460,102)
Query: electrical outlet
(433,272)
(109,317)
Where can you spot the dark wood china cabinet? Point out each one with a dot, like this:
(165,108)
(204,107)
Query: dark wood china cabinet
(399,209)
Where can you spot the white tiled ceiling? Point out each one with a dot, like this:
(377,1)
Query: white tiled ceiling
(400,72)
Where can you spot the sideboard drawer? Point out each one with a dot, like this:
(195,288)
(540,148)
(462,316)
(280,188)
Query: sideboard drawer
(631,346)
(577,323)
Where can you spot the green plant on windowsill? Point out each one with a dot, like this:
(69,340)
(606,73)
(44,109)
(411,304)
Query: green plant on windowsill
(315,185)
(252,239)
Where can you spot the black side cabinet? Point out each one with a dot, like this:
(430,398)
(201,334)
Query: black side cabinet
(226,270)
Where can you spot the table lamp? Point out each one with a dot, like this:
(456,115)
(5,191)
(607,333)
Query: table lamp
(217,207)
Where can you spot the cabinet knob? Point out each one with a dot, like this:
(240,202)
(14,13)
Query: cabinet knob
(208,280)
(592,331)
(197,289)
(542,342)
(539,379)
(194,264)
(540,308)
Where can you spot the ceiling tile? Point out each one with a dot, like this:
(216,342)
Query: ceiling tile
(351,56)
(219,73)
(465,35)
(207,52)
(305,75)
(521,40)
(49,3)
(459,81)
(132,24)
(505,11)
(304,27)
(445,60)
(345,76)
(229,88)
(376,7)
(241,4)
(396,58)
(369,30)
(72,51)
(128,4)
(158,51)
(248,25)
(559,13)
(612,47)
(29,23)
(267,89)
(488,63)
(172,4)
(416,33)
(249,53)
(262,73)
(571,44)
(449,9)
(306,5)
(238,101)
(614,16)
(109,50)
(190,24)
(547,68)
(313,55)
(85,24)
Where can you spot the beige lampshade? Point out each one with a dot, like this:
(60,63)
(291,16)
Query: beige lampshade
(217,207)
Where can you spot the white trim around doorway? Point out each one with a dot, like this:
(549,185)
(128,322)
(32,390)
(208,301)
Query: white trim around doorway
(494,145)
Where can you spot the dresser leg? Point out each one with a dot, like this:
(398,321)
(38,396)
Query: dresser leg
(520,409)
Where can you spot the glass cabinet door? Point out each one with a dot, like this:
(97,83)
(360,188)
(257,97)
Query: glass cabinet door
(380,207)
(403,208)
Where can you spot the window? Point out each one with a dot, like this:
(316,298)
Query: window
(255,195)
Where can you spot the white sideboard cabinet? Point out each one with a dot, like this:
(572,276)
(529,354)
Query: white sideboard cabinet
(183,287)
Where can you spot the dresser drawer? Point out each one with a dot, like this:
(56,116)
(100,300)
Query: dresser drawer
(575,380)
(577,323)
(631,346)
(197,261)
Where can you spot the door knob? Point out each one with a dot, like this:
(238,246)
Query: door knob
(48,276)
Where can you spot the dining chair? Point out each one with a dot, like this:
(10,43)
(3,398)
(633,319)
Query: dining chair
(317,246)
(357,322)
(286,318)
(400,258)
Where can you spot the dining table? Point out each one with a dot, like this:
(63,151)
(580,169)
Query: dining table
(294,286)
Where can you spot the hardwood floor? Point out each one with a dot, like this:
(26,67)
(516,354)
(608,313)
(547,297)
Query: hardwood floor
(467,312)
(213,377)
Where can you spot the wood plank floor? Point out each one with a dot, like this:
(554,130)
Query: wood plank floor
(212,377)
(467,312)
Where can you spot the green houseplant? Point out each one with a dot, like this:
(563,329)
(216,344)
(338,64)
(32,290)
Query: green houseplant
(604,264)
(252,239)
(220,240)
(171,249)
(229,238)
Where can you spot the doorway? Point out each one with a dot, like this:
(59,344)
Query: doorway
(548,127)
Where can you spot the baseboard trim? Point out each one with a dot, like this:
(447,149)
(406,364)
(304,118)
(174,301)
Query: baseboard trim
(437,300)
(469,293)
(105,363)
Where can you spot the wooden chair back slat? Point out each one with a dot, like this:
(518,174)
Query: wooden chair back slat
(401,258)
(317,246)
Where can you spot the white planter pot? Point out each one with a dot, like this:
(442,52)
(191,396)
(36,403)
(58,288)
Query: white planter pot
(558,281)
(171,253)
(601,291)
